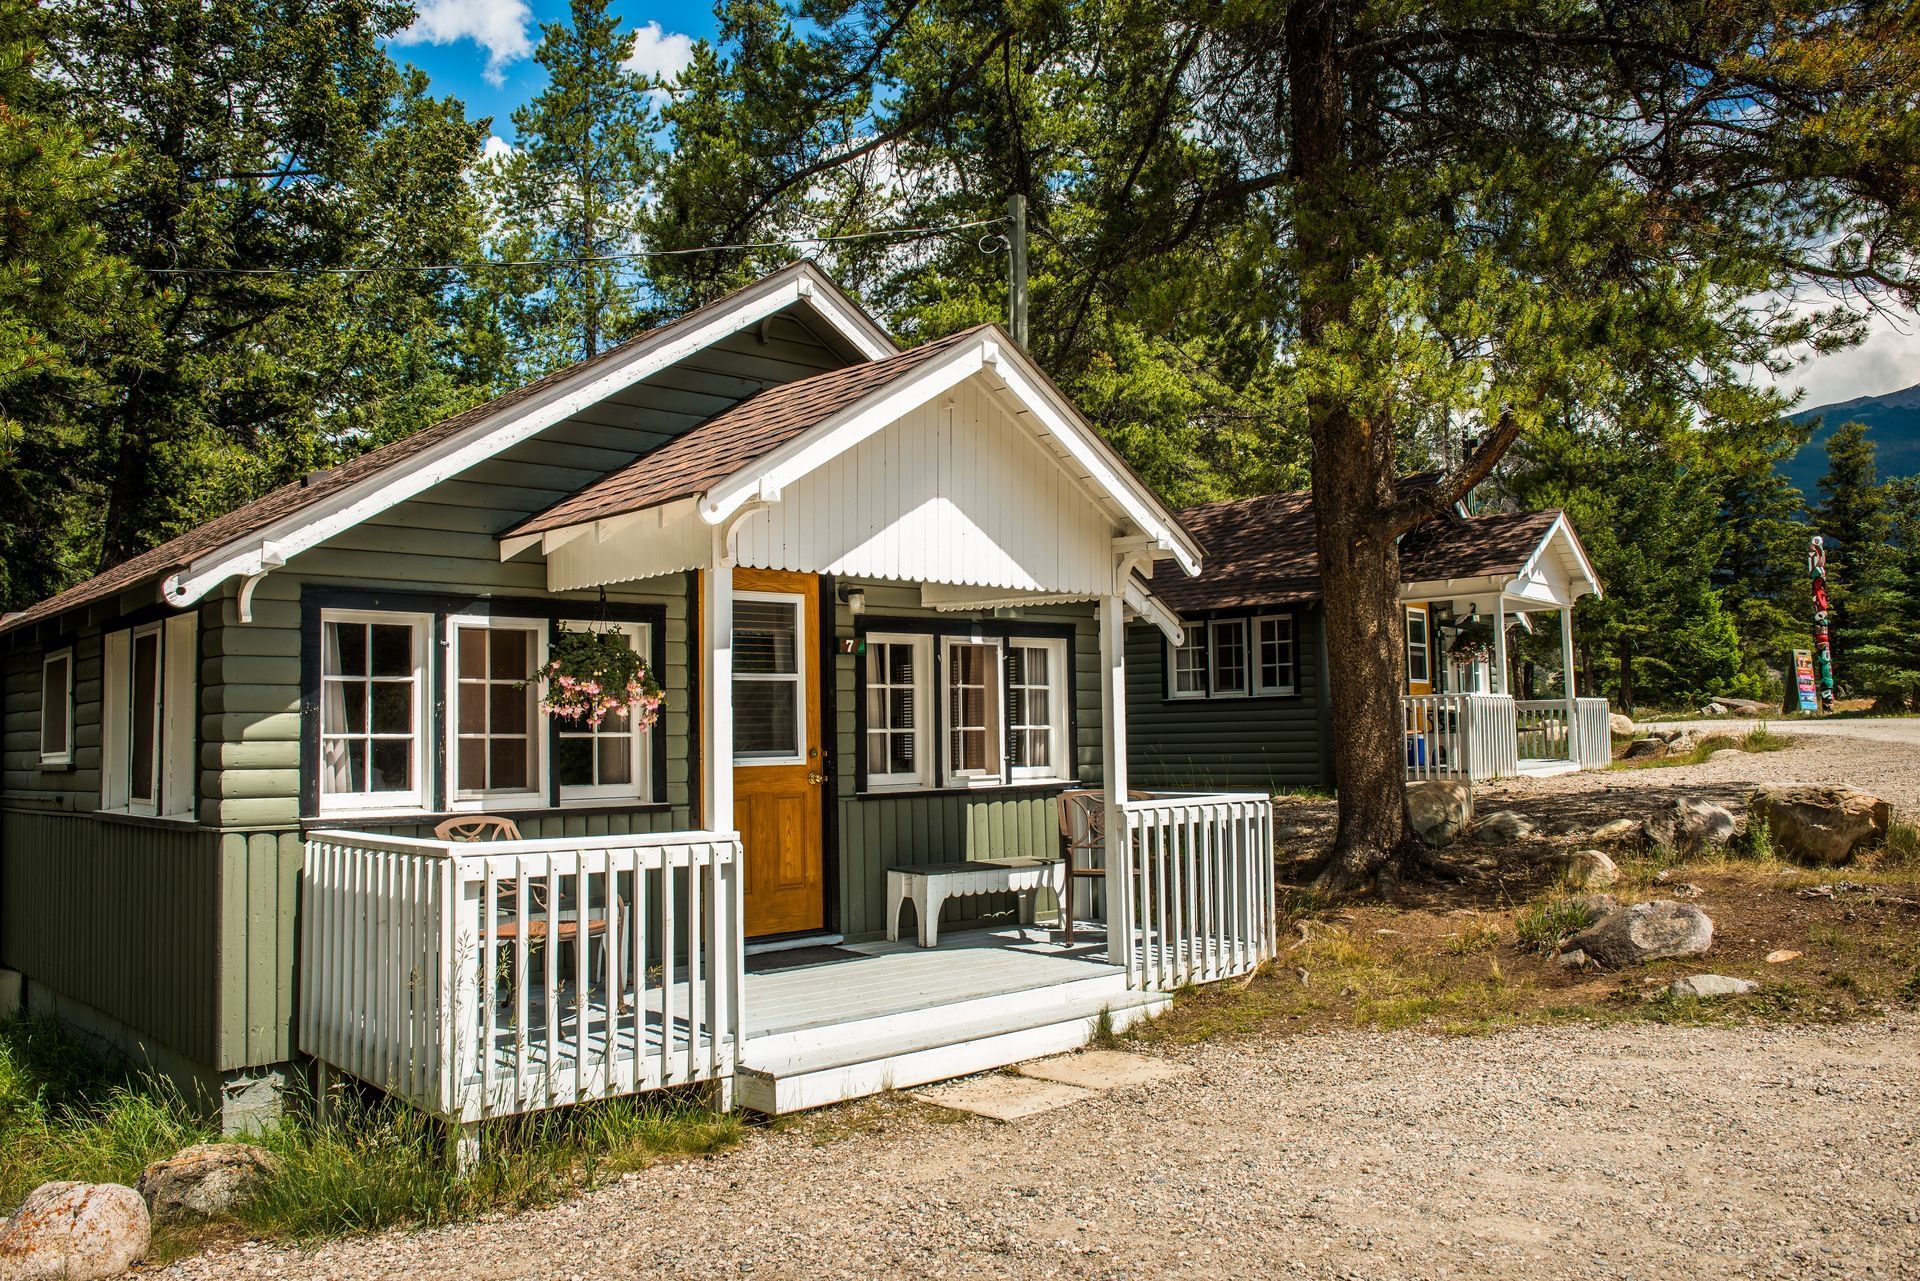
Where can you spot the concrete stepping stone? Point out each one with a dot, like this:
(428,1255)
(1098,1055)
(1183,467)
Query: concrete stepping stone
(1001,1097)
(1101,1069)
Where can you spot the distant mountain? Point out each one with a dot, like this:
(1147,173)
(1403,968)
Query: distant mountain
(1893,425)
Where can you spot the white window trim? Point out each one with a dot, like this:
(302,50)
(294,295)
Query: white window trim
(357,803)
(64,757)
(461,800)
(640,636)
(179,715)
(922,776)
(996,736)
(1214,627)
(1059,689)
(1293,648)
(1425,646)
(148,807)
(798,679)
(1173,665)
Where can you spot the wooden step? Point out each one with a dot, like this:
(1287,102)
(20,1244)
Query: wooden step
(940,1043)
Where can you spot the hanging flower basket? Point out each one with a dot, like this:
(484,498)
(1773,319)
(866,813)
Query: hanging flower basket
(591,675)
(1473,643)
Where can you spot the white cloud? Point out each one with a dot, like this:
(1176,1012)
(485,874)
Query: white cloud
(1889,360)
(657,52)
(498,26)
(497,148)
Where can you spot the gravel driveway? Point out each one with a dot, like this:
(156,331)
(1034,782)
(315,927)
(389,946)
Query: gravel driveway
(1630,1151)
(1625,1151)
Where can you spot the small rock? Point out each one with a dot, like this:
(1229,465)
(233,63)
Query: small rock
(1670,736)
(1685,889)
(1619,829)
(1821,824)
(1690,825)
(1646,749)
(75,1232)
(1619,726)
(1725,754)
(1713,709)
(1567,827)
(1646,932)
(1587,868)
(1711,985)
(1504,827)
(1440,808)
(1574,960)
(1782,956)
(204,1181)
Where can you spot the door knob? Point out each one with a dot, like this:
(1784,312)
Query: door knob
(815,777)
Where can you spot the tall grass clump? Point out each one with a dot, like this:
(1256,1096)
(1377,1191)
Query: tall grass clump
(1903,845)
(1543,924)
(68,1111)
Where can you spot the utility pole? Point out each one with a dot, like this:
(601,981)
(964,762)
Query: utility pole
(1017,264)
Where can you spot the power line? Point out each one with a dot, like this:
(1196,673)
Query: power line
(488,264)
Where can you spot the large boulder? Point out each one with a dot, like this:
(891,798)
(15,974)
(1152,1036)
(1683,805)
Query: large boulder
(204,1181)
(1820,824)
(1440,808)
(1505,827)
(1587,869)
(75,1232)
(1645,932)
(1689,825)
(1618,829)
(1646,749)
(1618,725)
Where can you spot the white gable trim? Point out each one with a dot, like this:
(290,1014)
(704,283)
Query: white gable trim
(765,477)
(515,423)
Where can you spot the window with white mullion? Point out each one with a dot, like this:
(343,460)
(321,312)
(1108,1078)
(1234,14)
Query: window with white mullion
(612,760)
(769,680)
(1276,664)
(1036,709)
(372,711)
(1227,656)
(974,742)
(1187,665)
(897,673)
(496,730)
(1419,662)
(143,744)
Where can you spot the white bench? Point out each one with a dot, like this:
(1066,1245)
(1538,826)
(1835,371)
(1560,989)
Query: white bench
(929,886)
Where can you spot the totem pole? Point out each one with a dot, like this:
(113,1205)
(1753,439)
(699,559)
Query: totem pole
(1822,639)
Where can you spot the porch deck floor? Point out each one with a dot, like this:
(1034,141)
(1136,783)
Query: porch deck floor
(902,977)
(1546,766)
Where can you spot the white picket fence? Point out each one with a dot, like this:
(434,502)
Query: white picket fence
(1460,736)
(1198,892)
(1592,733)
(478,980)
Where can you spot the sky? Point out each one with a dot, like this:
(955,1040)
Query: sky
(481,51)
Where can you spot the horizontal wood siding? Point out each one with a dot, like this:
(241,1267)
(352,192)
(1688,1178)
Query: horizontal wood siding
(1223,744)
(874,831)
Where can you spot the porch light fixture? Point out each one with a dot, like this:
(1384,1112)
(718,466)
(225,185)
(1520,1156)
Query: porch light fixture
(856,600)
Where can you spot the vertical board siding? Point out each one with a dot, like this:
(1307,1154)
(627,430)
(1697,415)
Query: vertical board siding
(1224,744)
(874,831)
(124,917)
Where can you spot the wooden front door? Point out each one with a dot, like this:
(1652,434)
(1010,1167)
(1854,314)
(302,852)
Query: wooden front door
(779,763)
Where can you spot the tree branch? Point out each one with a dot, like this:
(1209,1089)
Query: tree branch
(1433,498)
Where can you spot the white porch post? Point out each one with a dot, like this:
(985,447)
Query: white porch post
(1113,774)
(1566,668)
(716,739)
(1500,645)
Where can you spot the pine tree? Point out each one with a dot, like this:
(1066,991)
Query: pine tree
(1904,648)
(262,146)
(1855,518)
(573,191)
(58,285)
(1762,573)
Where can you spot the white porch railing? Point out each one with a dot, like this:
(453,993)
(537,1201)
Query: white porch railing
(478,980)
(1545,729)
(1460,736)
(1198,894)
(1592,733)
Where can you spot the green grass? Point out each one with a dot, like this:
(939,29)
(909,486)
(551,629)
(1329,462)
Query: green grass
(1760,738)
(1541,926)
(67,1112)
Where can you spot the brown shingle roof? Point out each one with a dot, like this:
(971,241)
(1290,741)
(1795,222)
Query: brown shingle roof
(691,463)
(1261,551)
(292,498)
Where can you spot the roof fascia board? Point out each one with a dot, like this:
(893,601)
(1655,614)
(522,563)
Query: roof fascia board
(1085,446)
(375,494)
